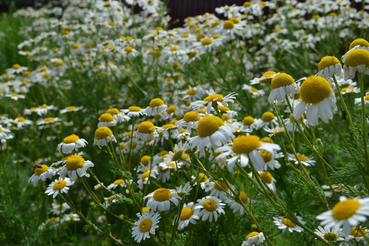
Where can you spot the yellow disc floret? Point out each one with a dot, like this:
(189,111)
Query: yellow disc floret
(146,127)
(156,102)
(345,209)
(252,234)
(266,177)
(248,120)
(74,162)
(246,144)
(206,41)
(327,61)
(71,139)
(210,205)
(145,225)
(220,185)
(266,155)
(186,213)
(288,222)
(103,132)
(39,171)
(106,118)
(145,160)
(59,184)
(208,125)
(267,116)
(214,98)
(359,41)
(315,89)
(282,79)
(191,116)
(357,57)
(113,111)
(162,194)
(228,25)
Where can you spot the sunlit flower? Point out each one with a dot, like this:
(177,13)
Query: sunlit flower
(116,183)
(156,107)
(71,143)
(103,135)
(42,172)
(330,234)
(211,208)
(282,85)
(59,186)
(307,161)
(188,215)
(356,61)
(160,199)
(254,238)
(329,66)
(284,223)
(146,130)
(75,166)
(145,225)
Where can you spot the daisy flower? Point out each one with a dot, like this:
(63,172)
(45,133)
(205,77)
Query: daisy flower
(190,120)
(249,123)
(284,223)
(70,109)
(118,116)
(110,200)
(219,189)
(235,204)
(347,212)
(282,85)
(146,130)
(42,172)
(106,120)
(330,234)
(265,78)
(255,92)
(359,234)
(356,61)
(212,207)
(291,124)
(245,149)
(134,111)
(318,98)
(15,96)
(58,209)
(201,179)
(20,122)
(71,217)
(103,135)
(47,121)
(348,90)
(184,190)
(307,161)
(358,43)
(212,133)
(145,225)
(267,119)
(156,106)
(59,185)
(75,165)
(366,99)
(214,100)
(329,66)
(188,215)
(116,183)
(160,199)
(254,238)
(71,143)
(268,180)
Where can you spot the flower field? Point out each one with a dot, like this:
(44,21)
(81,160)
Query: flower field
(246,127)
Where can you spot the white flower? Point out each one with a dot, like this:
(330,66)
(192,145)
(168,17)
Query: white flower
(59,185)
(330,234)
(212,207)
(188,215)
(160,199)
(254,238)
(145,225)
(75,166)
(71,143)
(284,223)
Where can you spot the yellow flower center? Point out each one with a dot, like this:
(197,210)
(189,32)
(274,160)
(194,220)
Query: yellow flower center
(186,213)
(58,63)
(162,194)
(145,175)
(156,102)
(228,25)
(252,234)
(39,171)
(359,41)
(246,144)
(357,57)
(330,236)
(345,209)
(48,119)
(301,157)
(134,109)
(282,79)
(106,118)
(358,231)
(174,48)
(315,89)
(268,74)
(70,108)
(223,109)
(171,109)
(146,127)
(21,119)
(111,198)
(221,186)
(243,197)
(210,205)
(201,177)
(206,41)
(145,209)
(113,111)
(346,89)
(191,116)
(59,185)
(191,92)
(214,98)
(145,160)
(266,155)
(132,145)
(266,140)
(327,61)
(266,177)
(71,139)
(103,132)
(288,222)
(15,95)
(145,225)
(119,181)
(208,125)
(235,20)
(215,36)
(16,66)
(247,4)
(177,155)
(267,116)
(128,49)
(74,162)
(248,120)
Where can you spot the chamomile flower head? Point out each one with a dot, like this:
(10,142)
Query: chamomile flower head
(211,208)
(249,123)
(219,189)
(235,202)
(213,100)
(359,42)
(71,217)
(188,215)
(212,133)
(356,61)
(146,130)
(307,161)
(366,99)
(42,172)
(245,149)
(145,225)
(330,234)
(268,180)
(134,111)
(156,106)
(59,208)
(106,120)
(291,124)
(160,199)
(329,66)
(75,166)
(265,78)
(349,90)
(116,183)
(254,238)
(184,190)
(103,135)
(118,116)
(190,120)
(318,98)
(70,109)
(282,85)
(284,223)
(59,186)
(255,92)
(70,144)
(267,119)
(359,234)
(347,212)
